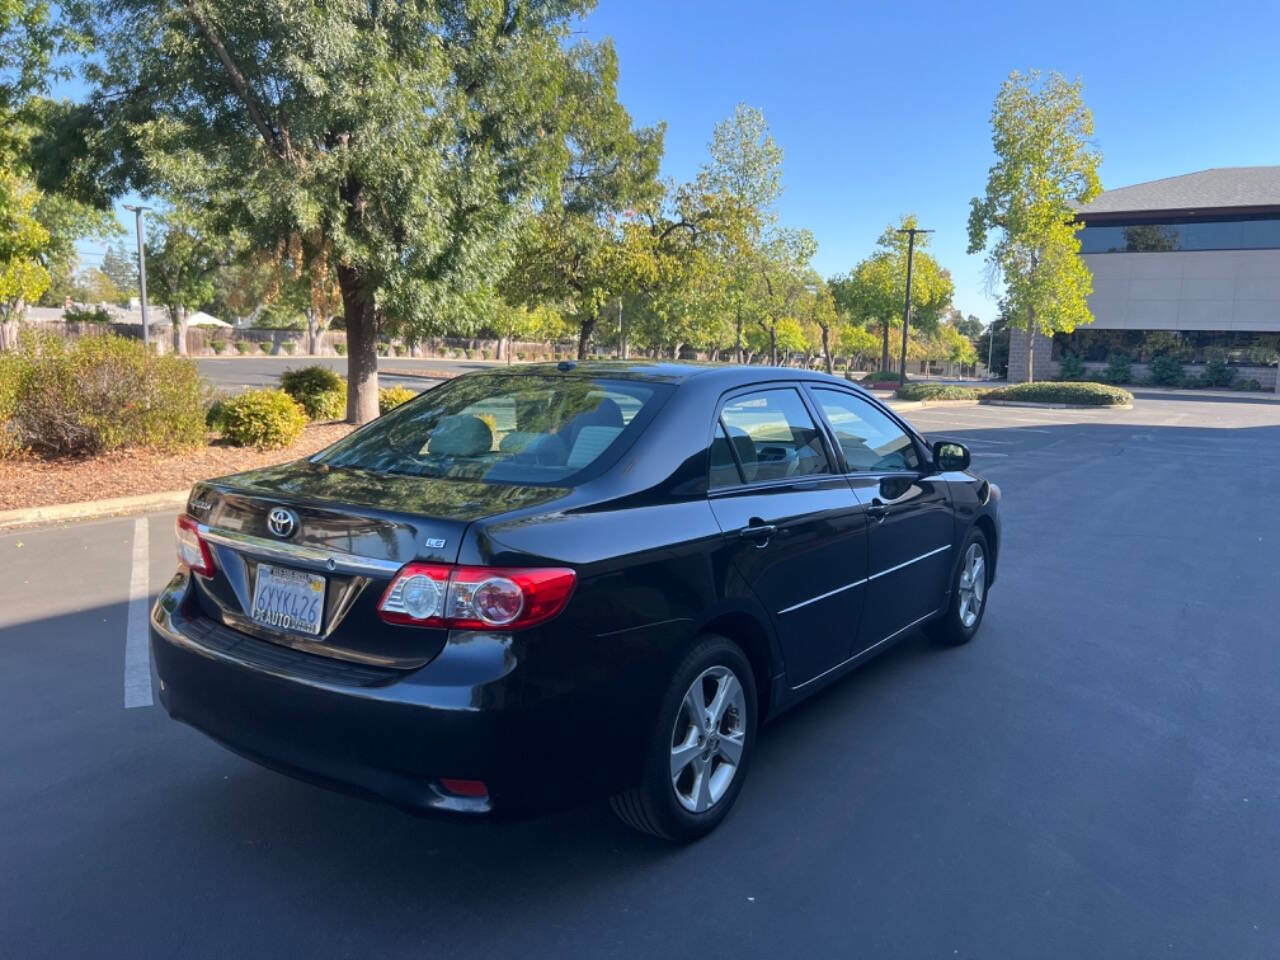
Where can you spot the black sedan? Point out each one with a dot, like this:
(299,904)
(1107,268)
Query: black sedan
(523,589)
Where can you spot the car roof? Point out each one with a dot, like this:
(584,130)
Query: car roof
(724,375)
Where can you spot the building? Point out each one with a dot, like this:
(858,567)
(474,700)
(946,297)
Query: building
(1188,264)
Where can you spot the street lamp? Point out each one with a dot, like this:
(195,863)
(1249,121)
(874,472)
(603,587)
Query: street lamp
(142,271)
(906,310)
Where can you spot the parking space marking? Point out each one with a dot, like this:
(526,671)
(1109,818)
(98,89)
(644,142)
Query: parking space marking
(137,653)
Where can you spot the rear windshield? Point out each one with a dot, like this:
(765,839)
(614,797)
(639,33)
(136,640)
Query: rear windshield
(509,428)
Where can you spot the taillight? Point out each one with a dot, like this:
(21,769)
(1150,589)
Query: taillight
(475,598)
(193,552)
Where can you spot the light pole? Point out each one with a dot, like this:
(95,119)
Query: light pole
(142,271)
(906,309)
(991,346)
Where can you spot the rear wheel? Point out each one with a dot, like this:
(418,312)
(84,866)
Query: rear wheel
(699,751)
(968,595)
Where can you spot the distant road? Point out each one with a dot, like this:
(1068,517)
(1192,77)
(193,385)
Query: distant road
(238,373)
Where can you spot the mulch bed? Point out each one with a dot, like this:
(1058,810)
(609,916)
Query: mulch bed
(35,482)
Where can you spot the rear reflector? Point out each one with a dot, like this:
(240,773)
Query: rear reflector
(193,552)
(464,788)
(475,598)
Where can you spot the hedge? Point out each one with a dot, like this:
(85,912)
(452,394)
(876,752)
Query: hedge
(321,391)
(1085,394)
(63,397)
(936,391)
(391,397)
(266,419)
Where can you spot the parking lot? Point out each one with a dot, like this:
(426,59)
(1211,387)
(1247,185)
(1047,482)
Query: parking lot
(1096,775)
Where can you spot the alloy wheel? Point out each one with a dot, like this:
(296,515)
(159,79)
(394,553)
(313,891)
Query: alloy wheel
(973,585)
(708,739)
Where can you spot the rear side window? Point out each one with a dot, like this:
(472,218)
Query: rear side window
(513,428)
(868,439)
(773,436)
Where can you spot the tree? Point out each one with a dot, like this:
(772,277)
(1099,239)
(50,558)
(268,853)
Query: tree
(875,290)
(1045,168)
(122,270)
(784,277)
(741,182)
(23,241)
(182,258)
(411,138)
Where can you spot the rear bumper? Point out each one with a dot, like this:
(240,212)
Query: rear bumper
(471,714)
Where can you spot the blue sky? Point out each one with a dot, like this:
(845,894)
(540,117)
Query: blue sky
(883,109)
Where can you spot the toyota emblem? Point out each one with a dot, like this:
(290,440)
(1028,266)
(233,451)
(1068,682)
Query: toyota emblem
(282,522)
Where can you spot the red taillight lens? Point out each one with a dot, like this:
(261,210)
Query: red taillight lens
(193,552)
(475,598)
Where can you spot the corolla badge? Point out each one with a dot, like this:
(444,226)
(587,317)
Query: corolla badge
(282,522)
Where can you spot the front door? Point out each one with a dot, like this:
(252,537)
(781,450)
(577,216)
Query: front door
(909,505)
(794,528)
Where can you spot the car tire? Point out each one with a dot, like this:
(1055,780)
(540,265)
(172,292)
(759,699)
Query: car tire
(681,795)
(959,624)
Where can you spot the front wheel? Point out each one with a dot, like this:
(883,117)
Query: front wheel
(968,595)
(699,751)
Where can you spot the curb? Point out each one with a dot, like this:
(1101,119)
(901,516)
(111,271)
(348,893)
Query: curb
(918,404)
(92,509)
(1058,406)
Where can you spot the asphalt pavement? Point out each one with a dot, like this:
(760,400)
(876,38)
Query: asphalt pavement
(231,374)
(1095,776)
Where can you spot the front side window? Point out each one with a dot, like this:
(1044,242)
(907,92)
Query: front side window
(512,428)
(869,440)
(773,436)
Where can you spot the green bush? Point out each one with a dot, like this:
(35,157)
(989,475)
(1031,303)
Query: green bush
(487,354)
(215,414)
(243,346)
(1166,370)
(1250,384)
(265,346)
(880,376)
(98,393)
(1118,369)
(391,397)
(935,391)
(1217,373)
(86,315)
(266,419)
(340,348)
(218,346)
(322,393)
(1071,367)
(1186,383)
(290,347)
(1083,393)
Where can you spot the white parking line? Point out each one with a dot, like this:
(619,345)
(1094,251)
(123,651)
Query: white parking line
(137,654)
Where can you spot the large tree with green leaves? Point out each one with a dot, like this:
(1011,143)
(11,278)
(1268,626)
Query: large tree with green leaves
(182,260)
(411,138)
(1045,168)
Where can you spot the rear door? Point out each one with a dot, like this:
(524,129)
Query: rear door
(791,523)
(912,525)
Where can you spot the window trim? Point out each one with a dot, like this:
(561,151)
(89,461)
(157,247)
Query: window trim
(923,456)
(834,462)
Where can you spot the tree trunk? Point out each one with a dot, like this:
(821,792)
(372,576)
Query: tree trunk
(884,347)
(826,350)
(178,315)
(773,344)
(362,346)
(585,329)
(313,331)
(737,343)
(1031,344)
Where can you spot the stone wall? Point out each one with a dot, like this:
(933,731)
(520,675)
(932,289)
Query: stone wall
(1045,367)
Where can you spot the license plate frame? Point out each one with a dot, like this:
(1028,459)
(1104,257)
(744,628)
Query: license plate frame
(297,604)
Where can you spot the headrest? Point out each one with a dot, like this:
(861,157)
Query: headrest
(461,436)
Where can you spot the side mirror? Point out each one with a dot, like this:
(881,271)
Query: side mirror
(950,456)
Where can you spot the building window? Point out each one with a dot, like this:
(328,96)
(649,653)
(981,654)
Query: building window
(1189,346)
(1261,233)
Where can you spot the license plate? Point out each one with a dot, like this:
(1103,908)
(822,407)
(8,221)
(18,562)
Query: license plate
(288,599)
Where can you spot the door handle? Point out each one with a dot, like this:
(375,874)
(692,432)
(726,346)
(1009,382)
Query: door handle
(877,510)
(760,532)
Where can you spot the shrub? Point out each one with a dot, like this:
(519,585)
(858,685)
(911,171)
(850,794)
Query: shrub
(266,419)
(215,414)
(400,349)
(382,349)
(340,348)
(290,347)
(880,376)
(935,391)
(391,397)
(1186,383)
(86,315)
(322,393)
(1217,373)
(1166,370)
(98,393)
(219,347)
(265,346)
(1083,393)
(1118,369)
(243,346)
(1246,385)
(1071,367)
(487,354)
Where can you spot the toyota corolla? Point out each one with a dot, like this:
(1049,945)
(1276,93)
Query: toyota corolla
(524,589)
